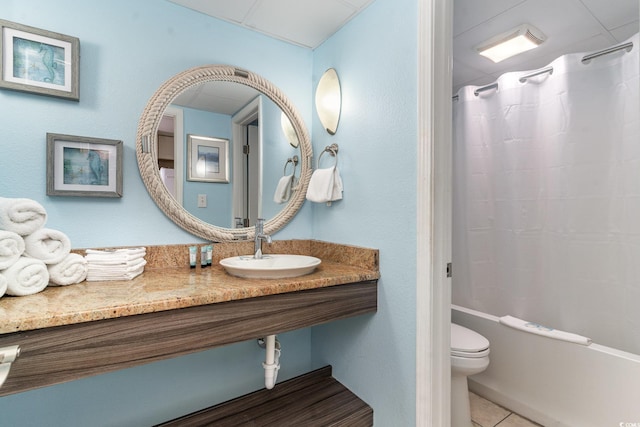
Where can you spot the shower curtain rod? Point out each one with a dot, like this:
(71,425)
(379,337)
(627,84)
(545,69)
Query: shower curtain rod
(484,88)
(477,91)
(627,46)
(536,73)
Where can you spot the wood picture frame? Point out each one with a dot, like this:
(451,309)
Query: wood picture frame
(39,61)
(83,166)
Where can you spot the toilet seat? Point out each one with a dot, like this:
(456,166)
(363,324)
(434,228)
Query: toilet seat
(468,343)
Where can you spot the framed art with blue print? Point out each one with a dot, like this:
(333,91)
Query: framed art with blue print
(38,61)
(82,166)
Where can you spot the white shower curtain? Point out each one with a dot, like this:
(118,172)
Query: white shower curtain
(546,201)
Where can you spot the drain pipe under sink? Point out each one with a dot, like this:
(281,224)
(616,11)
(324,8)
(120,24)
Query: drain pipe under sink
(272,360)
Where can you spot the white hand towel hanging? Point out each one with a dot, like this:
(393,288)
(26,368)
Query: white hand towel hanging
(283,189)
(325,185)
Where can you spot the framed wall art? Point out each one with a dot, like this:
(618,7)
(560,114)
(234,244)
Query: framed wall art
(39,61)
(207,159)
(82,166)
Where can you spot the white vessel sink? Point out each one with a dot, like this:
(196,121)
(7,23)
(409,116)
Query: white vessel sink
(270,266)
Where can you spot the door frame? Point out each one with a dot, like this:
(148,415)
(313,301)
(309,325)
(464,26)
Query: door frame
(433,287)
(239,121)
(178,150)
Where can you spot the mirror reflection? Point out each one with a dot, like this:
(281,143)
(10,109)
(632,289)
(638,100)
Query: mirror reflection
(258,154)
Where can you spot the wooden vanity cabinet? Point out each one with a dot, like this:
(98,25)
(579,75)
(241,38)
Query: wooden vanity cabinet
(65,353)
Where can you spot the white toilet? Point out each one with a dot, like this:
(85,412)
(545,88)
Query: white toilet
(469,356)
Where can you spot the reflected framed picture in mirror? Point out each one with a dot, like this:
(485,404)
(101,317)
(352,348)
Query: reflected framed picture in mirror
(39,61)
(207,159)
(83,166)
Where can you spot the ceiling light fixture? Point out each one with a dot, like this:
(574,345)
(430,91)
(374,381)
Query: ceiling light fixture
(503,46)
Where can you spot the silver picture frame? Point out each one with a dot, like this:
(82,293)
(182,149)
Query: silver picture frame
(207,159)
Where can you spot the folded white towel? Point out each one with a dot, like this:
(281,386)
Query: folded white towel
(534,328)
(283,189)
(120,271)
(71,270)
(115,264)
(120,267)
(47,245)
(325,185)
(11,248)
(3,284)
(94,277)
(26,277)
(115,254)
(22,216)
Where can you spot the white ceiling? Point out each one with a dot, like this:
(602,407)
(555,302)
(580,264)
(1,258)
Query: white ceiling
(306,23)
(570,26)
(220,97)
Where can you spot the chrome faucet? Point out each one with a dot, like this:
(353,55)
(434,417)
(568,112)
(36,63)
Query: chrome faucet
(260,236)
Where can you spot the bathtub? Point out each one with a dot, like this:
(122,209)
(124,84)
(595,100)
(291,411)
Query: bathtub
(552,382)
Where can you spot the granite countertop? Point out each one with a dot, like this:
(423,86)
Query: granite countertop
(168,283)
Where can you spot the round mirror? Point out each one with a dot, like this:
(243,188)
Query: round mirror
(223,187)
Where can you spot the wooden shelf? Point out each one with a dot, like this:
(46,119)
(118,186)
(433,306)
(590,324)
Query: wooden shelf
(313,399)
(63,353)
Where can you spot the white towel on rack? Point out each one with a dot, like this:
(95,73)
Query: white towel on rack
(22,216)
(283,189)
(325,185)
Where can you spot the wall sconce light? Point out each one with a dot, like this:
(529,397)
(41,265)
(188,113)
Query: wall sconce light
(329,100)
(503,46)
(289,131)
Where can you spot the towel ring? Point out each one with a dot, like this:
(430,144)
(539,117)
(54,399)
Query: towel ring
(293,160)
(331,149)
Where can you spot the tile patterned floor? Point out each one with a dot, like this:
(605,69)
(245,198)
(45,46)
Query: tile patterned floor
(487,414)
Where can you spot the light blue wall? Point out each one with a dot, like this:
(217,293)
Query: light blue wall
(376,59)
(128,48)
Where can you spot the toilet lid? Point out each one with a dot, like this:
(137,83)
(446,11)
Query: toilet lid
(467,343)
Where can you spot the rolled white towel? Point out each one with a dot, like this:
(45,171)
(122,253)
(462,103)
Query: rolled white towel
(3,284)
(11,248)
(71,270)
(26,277)
(22,216)
(47,245)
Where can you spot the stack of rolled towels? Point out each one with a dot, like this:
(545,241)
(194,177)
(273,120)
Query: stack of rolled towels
(32,256)
(116,264)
